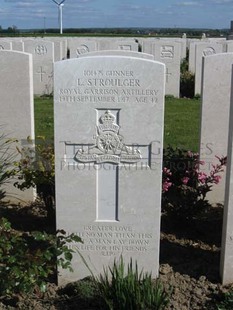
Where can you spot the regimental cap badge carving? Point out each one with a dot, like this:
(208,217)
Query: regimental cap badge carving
(109,145)
(108,117)
(108,122)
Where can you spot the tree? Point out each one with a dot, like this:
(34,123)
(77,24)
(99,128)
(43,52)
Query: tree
(12,29)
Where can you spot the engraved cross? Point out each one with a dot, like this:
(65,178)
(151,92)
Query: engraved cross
(111,152)
(167,74)
(41,72)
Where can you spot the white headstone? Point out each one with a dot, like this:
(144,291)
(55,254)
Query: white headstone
(192,55)
(203,36)
(192,43)
(120,53)
(17,45)
(226,266)
(229,46)
(216,91)
(5,45)
(147,44)
(108,143)
(183,43)
(203,50)
(60,47)
(81,46)
(122,45)
(17,107)
(43,58)
(169,54)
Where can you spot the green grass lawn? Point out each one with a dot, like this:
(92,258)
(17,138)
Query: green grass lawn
(182,122)
(182,118)
(43,108)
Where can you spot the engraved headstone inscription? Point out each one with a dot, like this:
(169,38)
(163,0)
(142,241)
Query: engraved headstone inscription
(108,148)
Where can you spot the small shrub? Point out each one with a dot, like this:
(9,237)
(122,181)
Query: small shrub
(36,168)
(133,290)
(187,79)
(84,292)
(187,83)
(227,303)
(169,97)
(184,185)
(28,260)
(197,97)
(7,157)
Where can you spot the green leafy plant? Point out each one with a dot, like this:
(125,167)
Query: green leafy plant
(36,169)
(130,289)
(187,79)
(28,260)
(184,184)
(7,156)
(187,82)
(227,302)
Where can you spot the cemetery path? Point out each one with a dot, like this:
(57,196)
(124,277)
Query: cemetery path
(189,264)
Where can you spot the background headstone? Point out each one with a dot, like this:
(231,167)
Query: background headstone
(60,47)
(108,149)
(17,45)
(169,53)
(5,45)
(120,53)
(204,50)
(43,58)
(81,46)
(122,45)
(216,89)
(192,55)
(17,108)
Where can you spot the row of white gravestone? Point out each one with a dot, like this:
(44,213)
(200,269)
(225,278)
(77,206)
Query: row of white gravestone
(200,49)
(42,58)
(108,125)
(168,51)
(45,52)
(108,136)
(108,113)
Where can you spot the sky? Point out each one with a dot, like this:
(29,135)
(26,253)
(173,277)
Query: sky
(28,14)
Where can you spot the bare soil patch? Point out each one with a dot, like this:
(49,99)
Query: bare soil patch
(189,258)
